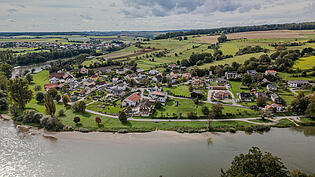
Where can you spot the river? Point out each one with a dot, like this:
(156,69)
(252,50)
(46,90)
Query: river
(151,154)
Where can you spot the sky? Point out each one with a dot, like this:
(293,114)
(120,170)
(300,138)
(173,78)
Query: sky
(148,15)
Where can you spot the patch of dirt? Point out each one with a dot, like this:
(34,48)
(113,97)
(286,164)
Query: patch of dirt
(134,54)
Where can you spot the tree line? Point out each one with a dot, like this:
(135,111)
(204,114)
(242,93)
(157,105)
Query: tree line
(237,29)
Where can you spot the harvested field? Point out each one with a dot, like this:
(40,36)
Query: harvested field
(134,54)
(278,34)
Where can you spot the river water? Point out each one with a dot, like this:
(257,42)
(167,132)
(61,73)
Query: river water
(168,154)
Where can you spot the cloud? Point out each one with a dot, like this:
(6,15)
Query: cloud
(86,17)
(11,10)
(12,20)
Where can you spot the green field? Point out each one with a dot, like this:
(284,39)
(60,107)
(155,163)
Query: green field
(186,105)
(182,90)
(305,63)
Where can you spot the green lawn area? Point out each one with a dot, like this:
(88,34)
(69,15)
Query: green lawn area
(284,123)
(186,105)
(305,63)
(98,106)
(288,96)
(289,77)
(182,90)
(236,87)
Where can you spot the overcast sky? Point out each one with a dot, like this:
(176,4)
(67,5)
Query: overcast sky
(116,15)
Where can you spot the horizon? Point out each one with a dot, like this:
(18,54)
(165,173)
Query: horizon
(142,15)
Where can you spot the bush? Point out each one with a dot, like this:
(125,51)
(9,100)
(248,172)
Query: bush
(76,120)
(39,96)
(30,116)
(37,88)
(3,103)
(192,115)
(61,112)
(79,106)
(14,110)
(50,123)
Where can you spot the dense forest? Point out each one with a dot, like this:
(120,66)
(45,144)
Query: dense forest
(289,26)
(32,58)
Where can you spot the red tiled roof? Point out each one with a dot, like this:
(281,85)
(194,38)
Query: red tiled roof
(49,86)
(271,71)
(158,93)
(57,75)
(134,97)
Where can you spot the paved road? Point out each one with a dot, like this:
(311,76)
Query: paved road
(275,119)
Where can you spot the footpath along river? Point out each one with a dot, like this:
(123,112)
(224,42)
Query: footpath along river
(168,154)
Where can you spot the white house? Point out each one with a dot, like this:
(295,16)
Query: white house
(298,83)
(132,100)
(231,75)
(159,96)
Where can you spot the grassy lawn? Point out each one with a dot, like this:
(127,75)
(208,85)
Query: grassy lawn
(182,90)
(290,77)
(185,106)
(236,88)
(284,123)
(98,106)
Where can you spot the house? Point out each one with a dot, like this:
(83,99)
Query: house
(221,95)
(271,72)
(260,94)
(159,96)
(94,77)
(84,70)
(141,75)
(276,98)
(157,78)
(252,73)
(50,86)
(298,83)
(153,72)
(172,66)
(231,75)
(132,100)
(221,81)
(131,76)
(117,92)
(54,80)
(243,96)
(275,108)
(145,108)
(272,87)
(186,75)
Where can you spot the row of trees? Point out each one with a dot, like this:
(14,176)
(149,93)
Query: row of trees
(216,31)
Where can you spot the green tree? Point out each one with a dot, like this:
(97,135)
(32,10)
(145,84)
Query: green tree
(205,110)
(37,88)
(261,101)
(222,38)
(299,104)
(29,78)
(255,163)
(6,69)
(3,82)
(310,111)
(122,117)
(79,106)
(90,72)
(50,105)
(65,100)
(19,92)
(39,96)
(53,92)
(216,110)
(247,80)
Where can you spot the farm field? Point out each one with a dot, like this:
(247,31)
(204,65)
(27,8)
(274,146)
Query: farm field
(305,63)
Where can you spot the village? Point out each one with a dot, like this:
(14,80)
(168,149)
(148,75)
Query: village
(142,93)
